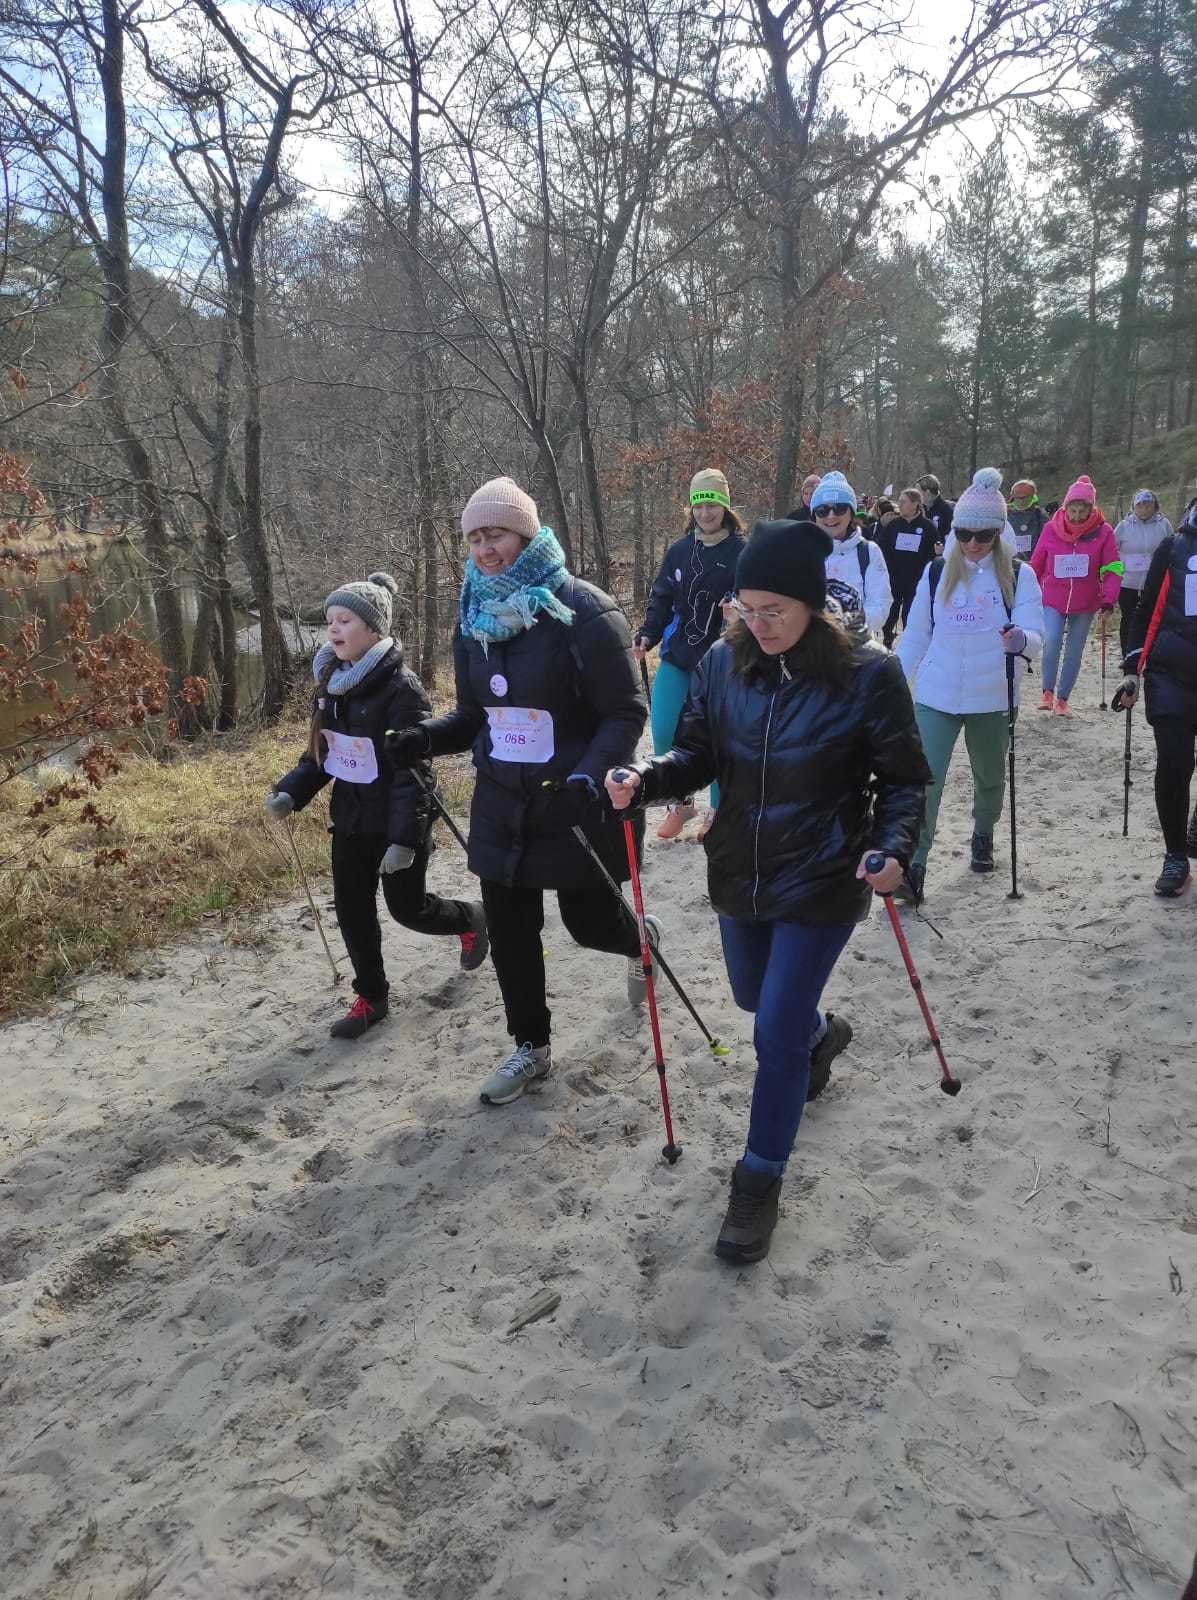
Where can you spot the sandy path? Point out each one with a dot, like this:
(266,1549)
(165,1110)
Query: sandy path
(254,1285)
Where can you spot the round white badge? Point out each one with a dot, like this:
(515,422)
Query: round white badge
(498,684)
(1193,563)
(677,574)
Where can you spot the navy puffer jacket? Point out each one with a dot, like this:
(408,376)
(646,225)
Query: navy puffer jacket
(1170,675)
(810,777)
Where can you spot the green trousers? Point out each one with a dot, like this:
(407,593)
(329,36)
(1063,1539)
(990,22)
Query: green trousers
(986,737)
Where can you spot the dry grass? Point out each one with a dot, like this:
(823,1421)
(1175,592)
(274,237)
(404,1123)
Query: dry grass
(1166,463)
(201,851)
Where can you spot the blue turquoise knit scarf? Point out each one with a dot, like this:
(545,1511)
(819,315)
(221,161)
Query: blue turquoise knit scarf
(342,679)
(494,609)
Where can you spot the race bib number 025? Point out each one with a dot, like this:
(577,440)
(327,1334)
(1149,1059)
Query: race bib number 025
(520,733)
(350,760)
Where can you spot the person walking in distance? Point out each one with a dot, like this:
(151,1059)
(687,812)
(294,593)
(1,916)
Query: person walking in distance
(1025,516)
(937,510)
(685,616)
(1076,561)
(974,609)
(802,511)
(547,692)
(856,571)
(381,818)
(1138,537)
(909,544)
(1162,655)
(810,731)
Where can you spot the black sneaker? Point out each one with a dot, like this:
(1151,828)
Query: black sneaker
(362,1015)
(751,1216)
(1191,836)
(910,890)
(982,860)
(837,1038)
(475,942)
(1174,879)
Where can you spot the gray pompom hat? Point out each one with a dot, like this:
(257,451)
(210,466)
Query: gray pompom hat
(371,600)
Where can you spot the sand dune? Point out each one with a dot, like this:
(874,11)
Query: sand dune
(255,1284)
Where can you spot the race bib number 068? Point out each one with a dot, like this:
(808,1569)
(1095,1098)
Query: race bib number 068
(520,733)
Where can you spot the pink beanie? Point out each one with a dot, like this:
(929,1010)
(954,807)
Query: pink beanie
(501,503)
(1082,489)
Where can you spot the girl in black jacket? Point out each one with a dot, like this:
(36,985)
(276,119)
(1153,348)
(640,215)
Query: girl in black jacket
(813,739)
(1163,653)
(547,692)
(380,818)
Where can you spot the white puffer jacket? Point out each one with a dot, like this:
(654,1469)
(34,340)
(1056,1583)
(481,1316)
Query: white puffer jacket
(959,666)
(844,564)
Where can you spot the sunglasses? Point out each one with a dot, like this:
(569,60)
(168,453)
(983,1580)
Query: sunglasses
(838,510)
(976,535)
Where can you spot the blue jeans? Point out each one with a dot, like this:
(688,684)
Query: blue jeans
(778,970)
(670,688)
(1074,648)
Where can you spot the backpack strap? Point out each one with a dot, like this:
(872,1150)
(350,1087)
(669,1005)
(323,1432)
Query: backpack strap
(862,555)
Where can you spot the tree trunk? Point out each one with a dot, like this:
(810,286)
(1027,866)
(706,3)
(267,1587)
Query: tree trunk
(639,573)
(601,561)
(1126,333)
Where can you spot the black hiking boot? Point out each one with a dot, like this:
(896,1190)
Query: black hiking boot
(1174,879)
(751,1216)
(475,942)
(362,1014)
(1191,836)
(910,890)
(982,860)
(837,1038)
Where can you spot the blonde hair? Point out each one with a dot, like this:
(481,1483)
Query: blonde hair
(1003,566)
(916,495)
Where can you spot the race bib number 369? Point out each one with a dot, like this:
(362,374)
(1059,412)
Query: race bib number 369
(520,733)
(350,760)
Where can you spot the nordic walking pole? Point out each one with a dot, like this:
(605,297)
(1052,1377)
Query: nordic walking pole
(948,1084)
(1126,777)
(1103,662)
(439,807)
(648,694)
(308,891)
(716,1048)
(672,1151)
(1014,892)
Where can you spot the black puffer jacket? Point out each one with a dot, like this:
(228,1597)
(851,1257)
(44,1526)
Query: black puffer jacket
(810,777)
(939,514)
(583,674)
(906,567)
(1027,525)
(1170,676)
(394,806)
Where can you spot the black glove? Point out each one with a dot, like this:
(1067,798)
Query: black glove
(407,747)
(1107,608)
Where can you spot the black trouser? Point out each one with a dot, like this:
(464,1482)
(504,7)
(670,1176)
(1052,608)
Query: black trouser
(355,862)
(1128,600)
(1175,738)
(901,607)
(514,919)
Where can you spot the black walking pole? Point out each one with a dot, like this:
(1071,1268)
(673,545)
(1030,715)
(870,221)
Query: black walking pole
(439,806)
(648,694)
(1126,777)
(1014,894)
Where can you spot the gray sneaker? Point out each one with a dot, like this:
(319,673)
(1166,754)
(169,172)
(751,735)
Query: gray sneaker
(637,983)
(523,1066)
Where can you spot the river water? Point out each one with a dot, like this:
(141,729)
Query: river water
(117,584)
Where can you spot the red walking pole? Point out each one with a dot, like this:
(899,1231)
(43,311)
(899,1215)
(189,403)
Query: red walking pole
(672,1151)
(948,1084)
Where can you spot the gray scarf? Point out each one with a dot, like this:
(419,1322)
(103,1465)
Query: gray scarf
(342,679)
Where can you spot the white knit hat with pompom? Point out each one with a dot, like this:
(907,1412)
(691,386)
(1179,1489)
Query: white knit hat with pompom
(981,505)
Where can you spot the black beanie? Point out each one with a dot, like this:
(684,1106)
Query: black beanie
(787,558)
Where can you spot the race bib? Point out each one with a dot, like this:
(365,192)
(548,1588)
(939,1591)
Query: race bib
(350,760)
(908,541)
(1191,594)
(1022,543)
(971,616)
(1136,563)
(520,733)
(1072,566)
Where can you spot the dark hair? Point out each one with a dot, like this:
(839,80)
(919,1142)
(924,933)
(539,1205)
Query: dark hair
(314,748)
(824,654)
(732,521)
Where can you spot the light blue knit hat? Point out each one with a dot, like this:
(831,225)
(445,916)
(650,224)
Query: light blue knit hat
(834,490)
(981,505)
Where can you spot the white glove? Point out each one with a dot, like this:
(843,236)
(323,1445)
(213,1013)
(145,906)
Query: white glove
(1014,641)
(279,805)
(398,858)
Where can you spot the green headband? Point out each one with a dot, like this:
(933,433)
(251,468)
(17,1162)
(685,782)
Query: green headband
(706,497)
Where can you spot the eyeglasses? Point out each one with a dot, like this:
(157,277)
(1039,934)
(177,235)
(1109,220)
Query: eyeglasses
(837,510)
(767,614)
(977,535)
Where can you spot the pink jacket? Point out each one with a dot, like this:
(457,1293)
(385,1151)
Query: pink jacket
(1069,571)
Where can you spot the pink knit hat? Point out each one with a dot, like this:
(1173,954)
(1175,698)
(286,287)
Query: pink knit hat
(501,503)
(1082,489)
